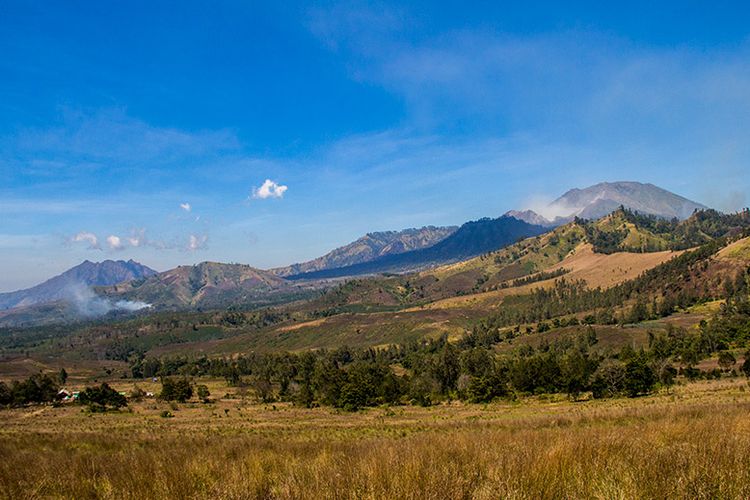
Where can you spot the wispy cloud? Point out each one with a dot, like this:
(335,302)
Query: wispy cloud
(86,237)
(137,238)
(604,102)
(111,135)
(269,189)
(197,242)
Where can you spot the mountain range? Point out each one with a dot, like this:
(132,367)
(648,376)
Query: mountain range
(370,247)
(211,285)
(471,239)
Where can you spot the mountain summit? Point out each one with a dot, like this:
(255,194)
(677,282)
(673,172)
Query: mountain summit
(601,199)
(87,273)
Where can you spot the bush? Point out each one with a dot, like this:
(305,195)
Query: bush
(639,377)
(176,390)
(102,398)
(726,360)
(36,389)
(203,393)
(137,394)
(608,380)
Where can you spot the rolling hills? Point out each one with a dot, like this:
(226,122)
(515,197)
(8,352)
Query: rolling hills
(208,285)
(558,277)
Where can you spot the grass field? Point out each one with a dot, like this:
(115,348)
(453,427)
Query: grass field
(691,443)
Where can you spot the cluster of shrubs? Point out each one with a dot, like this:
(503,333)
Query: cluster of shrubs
(38,388)
(181,390)
(102,398)
(44,388)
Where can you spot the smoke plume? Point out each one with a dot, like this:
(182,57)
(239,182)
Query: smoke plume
(91,305)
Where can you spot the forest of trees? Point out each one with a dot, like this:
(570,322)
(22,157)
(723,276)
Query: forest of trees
(471,369)
(702,227)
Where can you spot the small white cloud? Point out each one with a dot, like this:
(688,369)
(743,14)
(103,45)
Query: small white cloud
(186,206)
(114,242)
(137,238)
(197,242)
(89,238)
(269,189)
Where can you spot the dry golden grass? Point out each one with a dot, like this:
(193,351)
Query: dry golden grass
(598,270)
(738,250)
(693,443)
(609,270)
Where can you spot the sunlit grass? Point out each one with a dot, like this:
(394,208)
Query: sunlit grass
(694,442)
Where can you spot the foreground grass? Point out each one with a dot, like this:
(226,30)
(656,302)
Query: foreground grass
(693,443)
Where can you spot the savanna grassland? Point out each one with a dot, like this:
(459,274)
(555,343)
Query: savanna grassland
(690,442)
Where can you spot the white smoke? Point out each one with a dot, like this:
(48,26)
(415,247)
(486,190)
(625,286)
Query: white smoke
(91,305)
(550,209)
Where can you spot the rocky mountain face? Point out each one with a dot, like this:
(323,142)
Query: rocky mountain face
(601,199)
(471,239)
(370,247)
(86,274)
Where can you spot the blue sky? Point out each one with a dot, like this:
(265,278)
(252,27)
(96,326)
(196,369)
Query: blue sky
(148,131)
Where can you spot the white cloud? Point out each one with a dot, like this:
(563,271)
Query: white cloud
(114,242)
(89,238)
(197,242)
(186,206)
(269,189)
(137,238)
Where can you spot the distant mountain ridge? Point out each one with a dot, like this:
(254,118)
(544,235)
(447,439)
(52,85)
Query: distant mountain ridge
(204,285)
(601,199)
(129,286)
(108,272)
(471,239)
(370,247)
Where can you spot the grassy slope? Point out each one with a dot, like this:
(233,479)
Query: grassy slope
(691,443)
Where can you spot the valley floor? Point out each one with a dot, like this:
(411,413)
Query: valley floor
(693,442)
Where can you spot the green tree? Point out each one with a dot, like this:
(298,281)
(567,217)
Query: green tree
(176,389)
(609,379)
(726,360)
(746,364)
(102,398)
(447,368)
(639,377)
(6,396)
(203,393)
